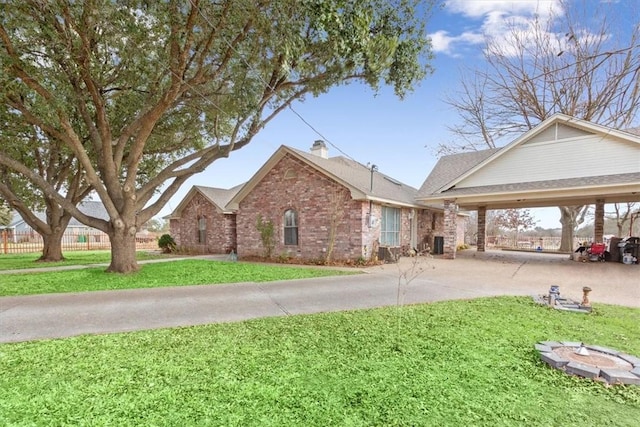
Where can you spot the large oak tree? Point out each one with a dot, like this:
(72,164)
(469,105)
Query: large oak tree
(162,89)
(57,166)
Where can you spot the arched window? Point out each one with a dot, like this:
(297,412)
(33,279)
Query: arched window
(290,227)
(202,230)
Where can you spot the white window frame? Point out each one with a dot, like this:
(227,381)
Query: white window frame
(202,230)
(291,227)
(391,223)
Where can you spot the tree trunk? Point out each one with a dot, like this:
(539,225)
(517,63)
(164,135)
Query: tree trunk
(568,224)
(52,245)
(570,218)
(123,250)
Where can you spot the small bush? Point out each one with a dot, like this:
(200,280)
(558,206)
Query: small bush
(284,258)
(267,232)
(167,244)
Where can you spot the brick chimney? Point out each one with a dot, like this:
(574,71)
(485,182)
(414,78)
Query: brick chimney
(319,148)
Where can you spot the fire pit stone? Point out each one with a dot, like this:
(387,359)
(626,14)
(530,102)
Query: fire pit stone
(591,361)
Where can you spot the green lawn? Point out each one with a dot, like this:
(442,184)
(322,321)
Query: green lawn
(173,273)
(462,363)
(22,261)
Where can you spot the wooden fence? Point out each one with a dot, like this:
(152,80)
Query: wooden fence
(88,240)
(533,243)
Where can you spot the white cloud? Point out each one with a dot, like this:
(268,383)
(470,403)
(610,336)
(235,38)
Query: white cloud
(499,20)
(480,8)
(443,42)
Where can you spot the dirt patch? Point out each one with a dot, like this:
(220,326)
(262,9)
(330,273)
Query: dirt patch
(358,263)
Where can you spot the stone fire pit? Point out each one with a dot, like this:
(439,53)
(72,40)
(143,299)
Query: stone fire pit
(591,361)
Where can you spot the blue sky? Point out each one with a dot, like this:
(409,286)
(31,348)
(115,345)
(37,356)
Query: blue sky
(400,137)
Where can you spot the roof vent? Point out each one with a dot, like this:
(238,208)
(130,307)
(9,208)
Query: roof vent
(319,148)
(393,181)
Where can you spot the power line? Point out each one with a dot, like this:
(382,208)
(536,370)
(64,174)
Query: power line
(320,134)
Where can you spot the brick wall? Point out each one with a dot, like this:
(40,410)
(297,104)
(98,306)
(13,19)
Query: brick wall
(430,224)
(324,209)
(482,228)
(370,231)
(292,184)
(451,230)
(220,234)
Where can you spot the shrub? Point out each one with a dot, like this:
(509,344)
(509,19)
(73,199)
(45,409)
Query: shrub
(267,231)
(284,258)
(167,244)
(361,261)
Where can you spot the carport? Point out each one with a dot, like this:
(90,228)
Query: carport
(563,161)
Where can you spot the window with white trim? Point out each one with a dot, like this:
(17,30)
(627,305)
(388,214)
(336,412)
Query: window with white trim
(202,230)
(390,226)
(290,227)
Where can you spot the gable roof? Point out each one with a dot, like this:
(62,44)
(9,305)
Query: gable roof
(219,197)
(452,166)
(88,207)
(459,175)
(355,176)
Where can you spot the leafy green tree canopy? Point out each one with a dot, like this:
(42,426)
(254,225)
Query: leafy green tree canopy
(146,94)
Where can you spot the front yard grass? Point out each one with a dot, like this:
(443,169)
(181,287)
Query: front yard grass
(458,363)
(28,260)
(171,273)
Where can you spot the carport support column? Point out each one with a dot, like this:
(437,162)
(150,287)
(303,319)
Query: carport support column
(482,229)
(450,229)
(598,232)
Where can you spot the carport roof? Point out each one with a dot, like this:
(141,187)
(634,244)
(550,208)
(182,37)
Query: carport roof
(453,176)
(574,191)
(450,167)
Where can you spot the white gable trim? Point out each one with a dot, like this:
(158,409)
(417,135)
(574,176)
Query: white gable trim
(556,119)
(563,159)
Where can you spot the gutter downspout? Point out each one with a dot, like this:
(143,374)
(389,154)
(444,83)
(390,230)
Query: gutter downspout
(373,168)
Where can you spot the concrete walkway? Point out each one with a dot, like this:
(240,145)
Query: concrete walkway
(471,275)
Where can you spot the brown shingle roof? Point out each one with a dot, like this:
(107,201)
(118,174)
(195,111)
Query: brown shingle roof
(358,176)
(219,196)
(450,167)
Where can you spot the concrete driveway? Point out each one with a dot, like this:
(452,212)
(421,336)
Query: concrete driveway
(421,280)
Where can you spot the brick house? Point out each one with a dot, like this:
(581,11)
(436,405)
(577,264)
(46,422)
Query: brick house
(76,232)
(202,223)
(320,208)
